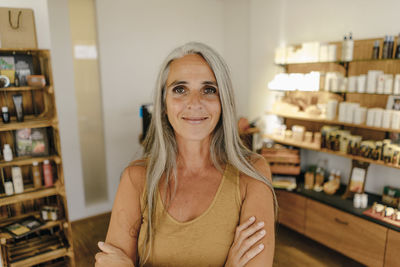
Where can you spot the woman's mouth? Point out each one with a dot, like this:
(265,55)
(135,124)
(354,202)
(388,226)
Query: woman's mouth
(195,120)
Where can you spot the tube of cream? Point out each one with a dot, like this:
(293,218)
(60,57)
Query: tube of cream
(17,99)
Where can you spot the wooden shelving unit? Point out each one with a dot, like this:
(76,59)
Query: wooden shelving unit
(46,117)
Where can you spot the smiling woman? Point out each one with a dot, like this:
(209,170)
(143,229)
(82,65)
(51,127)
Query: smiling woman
(198,197)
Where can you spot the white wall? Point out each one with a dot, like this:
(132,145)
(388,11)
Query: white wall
(296,21)
(135,37)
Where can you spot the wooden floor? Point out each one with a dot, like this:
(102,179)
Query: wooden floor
(292,249)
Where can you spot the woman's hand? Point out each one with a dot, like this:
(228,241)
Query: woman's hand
(247,234)
(112,256)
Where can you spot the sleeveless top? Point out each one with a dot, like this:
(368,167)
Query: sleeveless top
(202,241)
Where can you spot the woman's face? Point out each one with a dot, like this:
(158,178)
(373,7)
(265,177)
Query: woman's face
(192,100)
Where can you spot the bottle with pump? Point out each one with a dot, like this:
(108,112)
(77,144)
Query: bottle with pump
(344,50)
(349,48)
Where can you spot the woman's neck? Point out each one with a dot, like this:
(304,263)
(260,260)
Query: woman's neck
(193,155)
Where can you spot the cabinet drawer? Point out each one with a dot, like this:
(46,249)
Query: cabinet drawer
(354,237)
(392,249)
(292,209)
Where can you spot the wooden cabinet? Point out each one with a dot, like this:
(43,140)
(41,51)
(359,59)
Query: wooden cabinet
(292,209)
(392,249)
(354,237)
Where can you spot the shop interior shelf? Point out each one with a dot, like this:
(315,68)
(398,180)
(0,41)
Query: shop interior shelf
(29,194)
(340,61)
(30,122)
(28,161)
(341,154)
(47,225)
(304,117)
(48,256)
(24,88)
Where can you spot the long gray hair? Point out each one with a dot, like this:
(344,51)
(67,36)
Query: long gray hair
(160,147)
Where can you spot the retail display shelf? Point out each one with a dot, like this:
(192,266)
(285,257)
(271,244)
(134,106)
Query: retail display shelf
(341,154)
(24,88)
(340,62)
(22,50)
(28,161)
(345,205)
(47,225)
(48,256)
(305,117)
(28,123)
(29,194)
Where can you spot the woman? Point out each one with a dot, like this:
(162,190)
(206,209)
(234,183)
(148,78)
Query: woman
(196,181)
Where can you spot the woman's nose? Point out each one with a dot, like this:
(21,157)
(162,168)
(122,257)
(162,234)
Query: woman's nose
(194,100)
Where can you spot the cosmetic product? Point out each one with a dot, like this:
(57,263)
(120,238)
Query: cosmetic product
(378,116)
(17,179)
(360,115)
(370,116)
(349,48)
(308,137)
(397,54)
(16,80)
(395,119)
(375,50)
(7,153)
(5,115)
(331,109)
(17,99)
(372,80)
(37,179)
(380,83)
(385,47)
(387,118)
(45,213)
(332,53)
(361,81)
(357,201)
(344,46)
(352,84)
(47,173)
(8,186)
(390,47)
(364,201)
(388,87)
(396,86)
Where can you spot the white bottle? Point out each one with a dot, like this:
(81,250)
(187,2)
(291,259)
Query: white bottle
(17,180)
(8,187)
(344,46)
(349,48)
(7,153)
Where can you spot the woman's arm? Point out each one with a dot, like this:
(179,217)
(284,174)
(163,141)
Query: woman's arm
(258,202)
(125,220)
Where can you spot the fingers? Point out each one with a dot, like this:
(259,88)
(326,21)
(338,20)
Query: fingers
(248,232)
(249,242)
(107,248)
(251,254)
(243,226)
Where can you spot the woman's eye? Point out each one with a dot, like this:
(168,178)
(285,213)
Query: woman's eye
(210,90)
(178,90)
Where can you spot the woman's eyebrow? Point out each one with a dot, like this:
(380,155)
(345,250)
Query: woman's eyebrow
(177,83)
(210,83)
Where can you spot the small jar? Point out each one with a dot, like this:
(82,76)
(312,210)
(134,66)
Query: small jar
(5,114)
(357,201)
(364,201)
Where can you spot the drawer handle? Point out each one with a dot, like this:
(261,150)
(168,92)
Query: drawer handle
(341,222)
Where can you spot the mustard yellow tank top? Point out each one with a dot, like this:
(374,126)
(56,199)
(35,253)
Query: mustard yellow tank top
(203,241)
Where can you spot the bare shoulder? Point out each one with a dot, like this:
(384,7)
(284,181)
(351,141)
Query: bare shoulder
(136,174)
(247,183)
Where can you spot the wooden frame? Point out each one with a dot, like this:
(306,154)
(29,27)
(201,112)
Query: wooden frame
(357,179)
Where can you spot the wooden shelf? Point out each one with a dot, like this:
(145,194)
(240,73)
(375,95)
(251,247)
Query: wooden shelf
(335,122)
(24,88)
(47,225)
(340,62)
(35,122)
(48,256)
(35,193)
(28,161)
(23,50)
(341,154)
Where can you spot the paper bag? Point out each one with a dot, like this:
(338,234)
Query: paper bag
(17,28)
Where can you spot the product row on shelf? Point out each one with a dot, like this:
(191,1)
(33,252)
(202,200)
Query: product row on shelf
(309,52)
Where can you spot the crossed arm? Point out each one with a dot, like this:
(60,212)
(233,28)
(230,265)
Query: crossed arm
(120,248)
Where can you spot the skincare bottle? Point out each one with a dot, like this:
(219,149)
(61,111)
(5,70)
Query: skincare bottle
(385,47)
(375,50)
(7,153)
(37,179)
(397,55)
(47,173)
(8,186)
(344,50)
(17,99)
(17,180)
(5,115)
(349,48)
(390,47)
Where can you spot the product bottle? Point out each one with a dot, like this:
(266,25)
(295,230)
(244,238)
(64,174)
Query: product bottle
(349,48)
(375,50)
(397,55)
(37,179)
(47,173)
(7,153)
(5,115)
(385,48)
(390,47)
(17,180)
(344,46)
(332,175)
(8,186)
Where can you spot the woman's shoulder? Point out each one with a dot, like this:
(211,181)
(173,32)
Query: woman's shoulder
(136,173)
